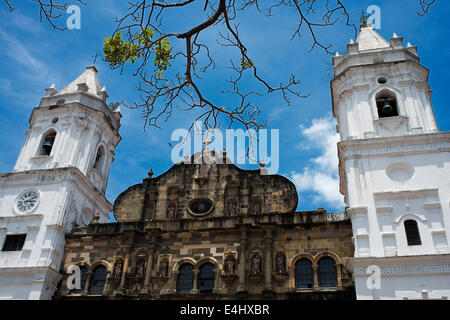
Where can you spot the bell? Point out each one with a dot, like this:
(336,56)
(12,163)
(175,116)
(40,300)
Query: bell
(387,108)
(48,144)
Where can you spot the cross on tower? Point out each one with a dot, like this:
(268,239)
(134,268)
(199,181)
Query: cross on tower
(95,57)
(206,142)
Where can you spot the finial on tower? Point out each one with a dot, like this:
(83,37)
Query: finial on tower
(364,18)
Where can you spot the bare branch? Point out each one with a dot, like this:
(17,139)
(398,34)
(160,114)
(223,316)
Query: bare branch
(49,10)
(425,7)
(162,95)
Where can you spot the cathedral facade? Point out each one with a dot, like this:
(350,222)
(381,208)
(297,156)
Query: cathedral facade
(212,231)
(206,229)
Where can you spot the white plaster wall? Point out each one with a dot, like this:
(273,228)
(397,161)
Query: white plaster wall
(63,195)
(355,105)
(389,203)
(410,287)
(80,132)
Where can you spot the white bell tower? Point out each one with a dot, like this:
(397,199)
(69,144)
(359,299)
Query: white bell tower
(394,167)
(58,182)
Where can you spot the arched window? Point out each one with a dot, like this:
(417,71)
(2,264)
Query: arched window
(304,275)
(386,104)
(98,280)
(47,143)
(83,277)
(185,281)
(99,159)
(206,278)
(327,273)
(412,233)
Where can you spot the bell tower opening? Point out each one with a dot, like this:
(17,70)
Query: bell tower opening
(99,159)
(47,143)
(386,104)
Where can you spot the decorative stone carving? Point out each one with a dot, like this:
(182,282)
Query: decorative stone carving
(118,267)
(96,218)
(256,208)
(171,212)
(140,269)
(256,265)
(163,268)
(229,266)
(280,263)
(232,208)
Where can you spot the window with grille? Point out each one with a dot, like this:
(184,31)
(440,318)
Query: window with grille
(83,278)
(206,278)
(14,242)
(98,280)
(304,275)
(412,233)
(185,281)
(327,273)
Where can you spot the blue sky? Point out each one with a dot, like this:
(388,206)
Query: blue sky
(33,56)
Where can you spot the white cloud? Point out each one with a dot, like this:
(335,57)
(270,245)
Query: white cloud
(17,51)
(321,178)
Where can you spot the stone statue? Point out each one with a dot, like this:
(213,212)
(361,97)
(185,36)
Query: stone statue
(280,263)
(163,267)
(229,266)
(96,218)
(232,208)
(171,212)
(256,208)
(256,264)
(140,269)
(118,269)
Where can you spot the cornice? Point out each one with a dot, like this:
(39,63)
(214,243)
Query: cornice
(68,174)
(410,144)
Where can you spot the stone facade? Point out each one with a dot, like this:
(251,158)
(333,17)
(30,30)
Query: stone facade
(242,222)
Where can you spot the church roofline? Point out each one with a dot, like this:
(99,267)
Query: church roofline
(314,218)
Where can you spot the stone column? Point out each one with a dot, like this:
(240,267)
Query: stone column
(339,275)
(316,277)
(242,280)
(173,281)
(87,284)
(268,241)
(195,286)
(217,280)
(124,272)
(148,270)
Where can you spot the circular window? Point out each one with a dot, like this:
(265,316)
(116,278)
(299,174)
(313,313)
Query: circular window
(400,172)
(55,120)
(381,80)
(201,207)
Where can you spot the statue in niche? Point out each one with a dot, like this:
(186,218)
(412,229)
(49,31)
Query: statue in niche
(280,263)
(256,265)
(202,170)
(229,266)
(140,269)
(118,269)
(171,213)
(232,208)
(163,268)
(256,208)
